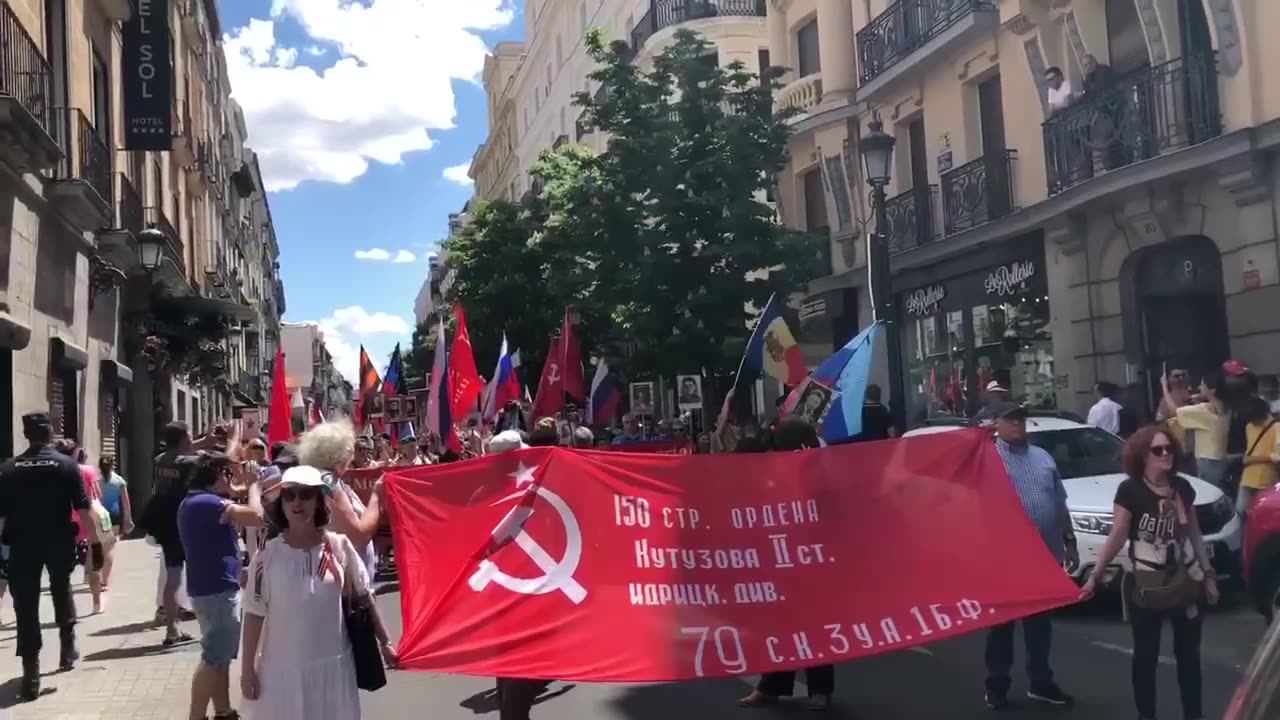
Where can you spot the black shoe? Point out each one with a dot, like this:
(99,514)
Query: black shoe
(69,653)
(1051,695)
(997,700)
(30,687)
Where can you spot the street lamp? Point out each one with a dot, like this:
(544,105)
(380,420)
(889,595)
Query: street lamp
(151,244)
(877,157)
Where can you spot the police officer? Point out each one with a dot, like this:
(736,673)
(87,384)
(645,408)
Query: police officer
(39,489)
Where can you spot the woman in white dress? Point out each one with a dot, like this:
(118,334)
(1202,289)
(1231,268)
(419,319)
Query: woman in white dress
(330,447)
(297,662)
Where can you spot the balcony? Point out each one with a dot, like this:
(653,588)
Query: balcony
(910,31)
(82,187)
(119,244)
(26,88)
(192,27)
(911,219)
(1141,115)
(669,13)
(977,192)
(803,94)
(155,219)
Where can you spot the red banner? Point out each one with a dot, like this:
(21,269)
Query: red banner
(661,447)
(597,566)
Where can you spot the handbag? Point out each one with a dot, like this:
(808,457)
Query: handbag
(1167,587)
(371,674)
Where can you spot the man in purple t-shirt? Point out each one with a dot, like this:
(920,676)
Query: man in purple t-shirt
(207,524)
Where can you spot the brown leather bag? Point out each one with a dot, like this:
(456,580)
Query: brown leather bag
(1167,587)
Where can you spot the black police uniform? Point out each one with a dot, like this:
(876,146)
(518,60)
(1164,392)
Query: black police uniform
(39,489)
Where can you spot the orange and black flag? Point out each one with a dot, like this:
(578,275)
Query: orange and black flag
(370,384)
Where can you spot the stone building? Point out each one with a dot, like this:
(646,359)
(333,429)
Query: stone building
(1130,227)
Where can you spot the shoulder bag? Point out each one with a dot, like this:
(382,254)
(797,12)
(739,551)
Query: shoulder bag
(371,675)
(1165,587)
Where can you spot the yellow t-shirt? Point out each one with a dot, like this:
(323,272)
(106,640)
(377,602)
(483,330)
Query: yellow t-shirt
(1263,445)
(1210,429)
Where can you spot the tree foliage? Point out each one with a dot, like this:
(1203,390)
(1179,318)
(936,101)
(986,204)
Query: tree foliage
(662,242)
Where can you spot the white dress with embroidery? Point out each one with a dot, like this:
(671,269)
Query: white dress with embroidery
(305,667)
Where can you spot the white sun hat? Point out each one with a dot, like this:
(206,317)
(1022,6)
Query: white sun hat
(506,440)
(303,476)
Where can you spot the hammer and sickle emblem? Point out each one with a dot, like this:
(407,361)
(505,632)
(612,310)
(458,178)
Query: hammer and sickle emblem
(557,576)
(554,376)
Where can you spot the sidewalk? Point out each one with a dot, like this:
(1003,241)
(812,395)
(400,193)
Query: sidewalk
(124,672)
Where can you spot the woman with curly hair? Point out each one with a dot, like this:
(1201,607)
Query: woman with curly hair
(329,448)
(297,662)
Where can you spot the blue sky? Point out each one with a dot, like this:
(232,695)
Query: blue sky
(364,114)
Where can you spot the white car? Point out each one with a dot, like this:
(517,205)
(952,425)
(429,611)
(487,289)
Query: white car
(1089,459)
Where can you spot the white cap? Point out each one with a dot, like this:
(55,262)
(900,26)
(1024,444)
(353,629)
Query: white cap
(995,386)
(506,440)
(304,476)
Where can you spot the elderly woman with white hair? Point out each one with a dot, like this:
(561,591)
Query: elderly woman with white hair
(329,447)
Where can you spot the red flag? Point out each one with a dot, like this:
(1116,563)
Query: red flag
(550,396)
(575,384)
(465,384)
(279,423)
(709,565)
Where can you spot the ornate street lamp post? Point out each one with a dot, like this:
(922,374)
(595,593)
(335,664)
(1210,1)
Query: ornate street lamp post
(877,156)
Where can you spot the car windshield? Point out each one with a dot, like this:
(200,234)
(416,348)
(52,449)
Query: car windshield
(1082,452)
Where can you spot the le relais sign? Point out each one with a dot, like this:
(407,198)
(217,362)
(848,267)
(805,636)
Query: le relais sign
(147,77)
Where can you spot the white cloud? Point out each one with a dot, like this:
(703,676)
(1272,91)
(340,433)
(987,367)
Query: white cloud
(388,86)
(404,256)
(350,327)
(373,254)
(458,174)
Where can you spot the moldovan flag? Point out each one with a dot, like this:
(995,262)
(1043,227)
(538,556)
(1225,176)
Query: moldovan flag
(551,387)
(771,350)
(604,395)
(465,383)
(638,567)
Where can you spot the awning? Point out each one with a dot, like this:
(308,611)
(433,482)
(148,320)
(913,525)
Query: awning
(848,278)
(14,334)
(241,399)
(197,305)
(116,372)
(67,356)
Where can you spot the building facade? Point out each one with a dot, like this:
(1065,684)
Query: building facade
(1129,226)
(311,375)
(109,215)
(531,84)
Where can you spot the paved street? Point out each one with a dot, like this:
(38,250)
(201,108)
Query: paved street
(125,674)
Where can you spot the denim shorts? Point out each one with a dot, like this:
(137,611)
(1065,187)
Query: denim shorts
(219,619)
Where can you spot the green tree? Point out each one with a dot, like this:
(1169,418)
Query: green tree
(672,218)
(417,356)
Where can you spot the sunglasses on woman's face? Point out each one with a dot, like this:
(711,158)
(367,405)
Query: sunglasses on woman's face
(1161,450)
(291,494)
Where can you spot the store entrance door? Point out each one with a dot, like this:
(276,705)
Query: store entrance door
(1183,311)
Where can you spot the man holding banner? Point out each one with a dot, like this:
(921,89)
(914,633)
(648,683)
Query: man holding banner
(1038,483)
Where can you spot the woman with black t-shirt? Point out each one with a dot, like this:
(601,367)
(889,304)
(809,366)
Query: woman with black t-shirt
(1155,513)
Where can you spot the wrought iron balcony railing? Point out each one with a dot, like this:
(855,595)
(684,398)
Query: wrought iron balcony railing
(910,217)
(905,27)
(128,206)
(25,74)
(85,153)
(663,14)
(1136,117)
(977,192)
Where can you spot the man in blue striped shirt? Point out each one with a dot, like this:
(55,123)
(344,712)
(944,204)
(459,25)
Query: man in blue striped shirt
(1036,480)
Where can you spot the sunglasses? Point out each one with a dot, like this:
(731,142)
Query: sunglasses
(1161,450)
(291,494)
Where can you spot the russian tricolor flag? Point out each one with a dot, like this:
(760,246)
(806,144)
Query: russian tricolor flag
(604,396)
(504,387)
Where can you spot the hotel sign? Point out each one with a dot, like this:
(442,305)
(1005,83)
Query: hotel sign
(147,77)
